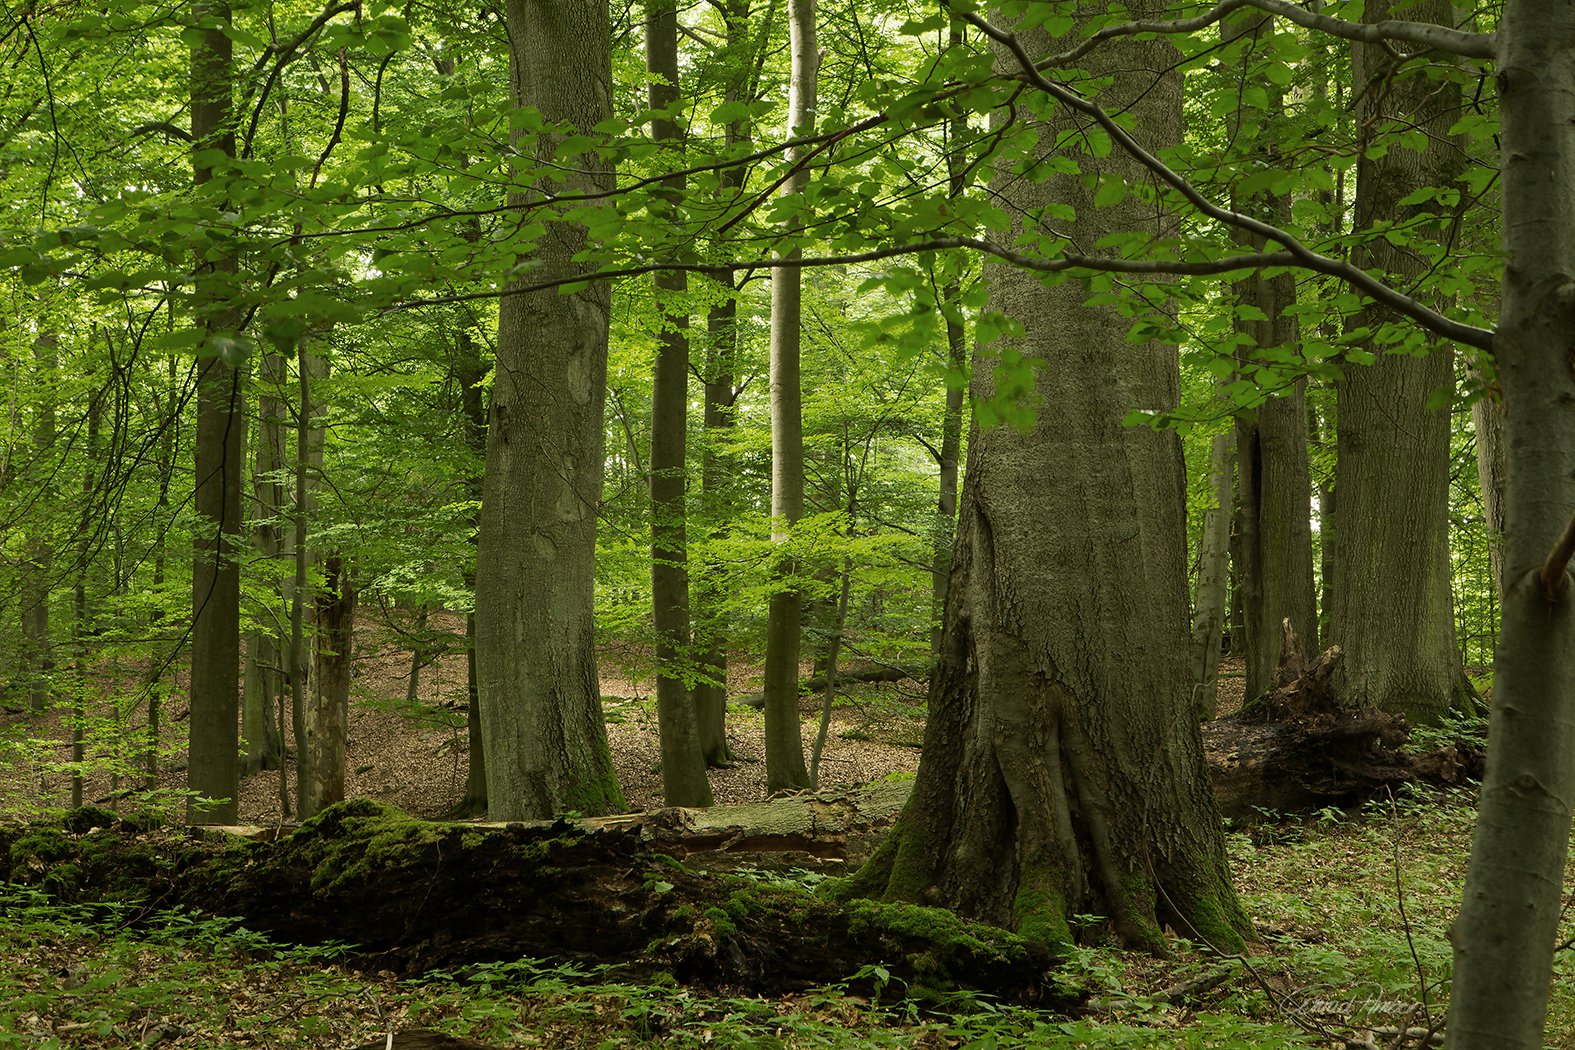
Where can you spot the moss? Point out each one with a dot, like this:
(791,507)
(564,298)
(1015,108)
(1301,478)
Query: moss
(940,950)
(84,819)
(901,869)
(1209,912)
(1039,910)
(596,792)
(722,923)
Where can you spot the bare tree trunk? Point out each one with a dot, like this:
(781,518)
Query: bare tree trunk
(784,737)
(213,769)
(710,692)
(469,371)
(1487,418)
(308,465)
(1509,923)
(261,747)
(80,626)
(541,714)
(1393,611)
(684,781)
(1208,611)
(36,659)
(328,714)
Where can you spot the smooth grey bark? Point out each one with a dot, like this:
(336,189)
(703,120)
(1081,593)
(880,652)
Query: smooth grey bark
(784,734)
(1393,611)
(684,781)
(1487,419)
(710,691)
(1208,609)
(541,715)
(1063,692)
(213,769)
(1509,920)
(308,468)
(261,746)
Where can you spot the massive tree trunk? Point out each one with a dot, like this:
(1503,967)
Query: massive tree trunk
(1393,614)
(541,712)
(784,735)
(684,780)
(1063,770)
(1510,919)
(213,770)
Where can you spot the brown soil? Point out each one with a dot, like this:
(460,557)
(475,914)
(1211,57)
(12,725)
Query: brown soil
(415,756)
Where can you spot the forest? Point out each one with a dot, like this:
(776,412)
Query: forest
(787,523)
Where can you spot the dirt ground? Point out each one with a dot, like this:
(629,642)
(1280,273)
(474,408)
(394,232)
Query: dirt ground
(415,755)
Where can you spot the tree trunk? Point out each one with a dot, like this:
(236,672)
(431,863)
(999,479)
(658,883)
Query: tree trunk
(1510,918)
(784,736)
(541,714)
(213,771)
(469,371)
(1487,419)
(710,692)
(1393,614)
(684,780)
(1273,481)
(308,467)
(37,565)
(328,713)
(261,747)
(1060,774)
(1208,611)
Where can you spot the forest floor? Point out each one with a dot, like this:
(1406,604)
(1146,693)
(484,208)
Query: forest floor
(1351,910)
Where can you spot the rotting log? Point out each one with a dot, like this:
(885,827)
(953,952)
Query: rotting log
(415,896)
(1299,749)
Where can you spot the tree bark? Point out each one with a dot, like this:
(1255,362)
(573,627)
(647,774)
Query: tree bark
(328,713)
(37,564)
(1509,920)
(469,371)
(784,735)
(1044,732)
(541,715)
(1393,612)
(1208,611)
(1487,419)
(213,771)
(684,781)
(261,747)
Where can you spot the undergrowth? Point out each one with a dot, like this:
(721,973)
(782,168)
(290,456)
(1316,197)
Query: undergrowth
(1352,913)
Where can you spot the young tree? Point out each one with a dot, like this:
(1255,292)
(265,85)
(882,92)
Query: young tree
(684,780)
(784,736)
(1045,726)
(541,715)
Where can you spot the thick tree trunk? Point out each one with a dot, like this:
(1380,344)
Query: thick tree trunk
(1060,775)
(213,769)
(1510,919)
(684,780)
(784,737)
(1393,613)
(541,713)
(1208,610)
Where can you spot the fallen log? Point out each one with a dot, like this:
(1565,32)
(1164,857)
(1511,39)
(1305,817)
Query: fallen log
(1299,749)
(878,673)
(415,896)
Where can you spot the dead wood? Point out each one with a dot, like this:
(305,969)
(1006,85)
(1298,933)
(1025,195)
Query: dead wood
(817,684)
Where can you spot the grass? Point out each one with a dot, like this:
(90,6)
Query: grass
(1352,915)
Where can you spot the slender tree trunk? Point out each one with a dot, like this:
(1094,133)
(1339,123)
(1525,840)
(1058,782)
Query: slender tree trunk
(1328,542)
(1393,612)
(261,747)
(470,370)
(308,466)
(1062,770)
(710,692)
(1208,611)
(37,661)
(784,736)
(684,780)
(541,712)
(418,657)
(1487,418)
(213,771)
(81,628)
(1510,919)
(1273,481)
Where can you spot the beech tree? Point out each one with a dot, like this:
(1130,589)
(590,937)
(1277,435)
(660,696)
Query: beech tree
(540,697)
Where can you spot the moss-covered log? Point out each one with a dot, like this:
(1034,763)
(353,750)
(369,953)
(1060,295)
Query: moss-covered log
(414,896)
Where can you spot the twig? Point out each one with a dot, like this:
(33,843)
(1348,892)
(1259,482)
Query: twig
(1551,575)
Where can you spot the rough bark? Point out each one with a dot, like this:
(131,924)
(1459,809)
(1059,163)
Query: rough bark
(1273,481)
(328,713)
(1060,775)
(213,771)
(1393,613)
(1510,918)
(1208,610)
(541,715)
(784,737)
(684,780)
